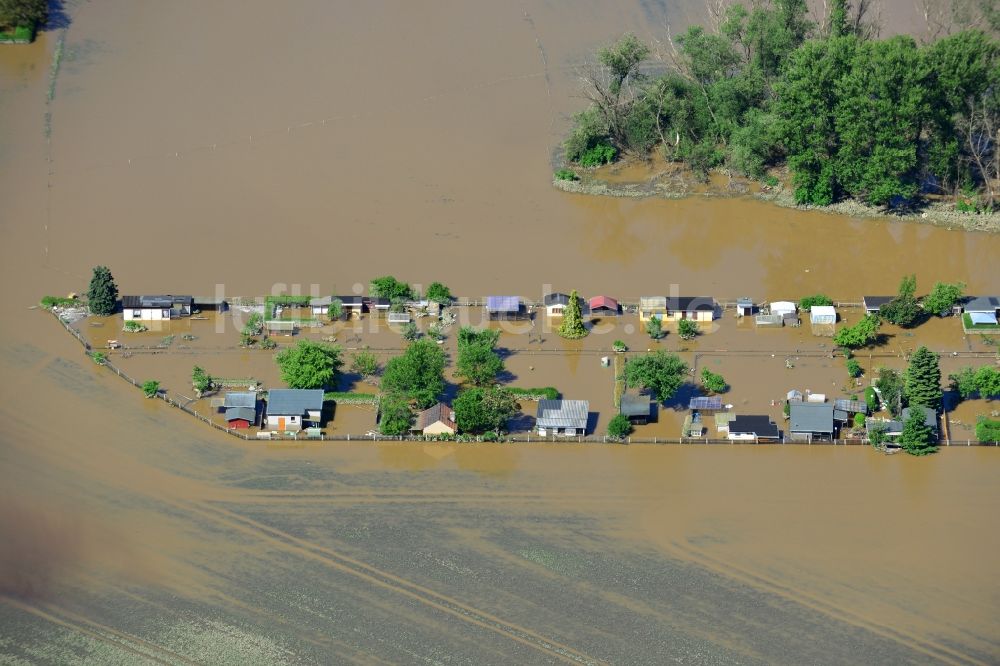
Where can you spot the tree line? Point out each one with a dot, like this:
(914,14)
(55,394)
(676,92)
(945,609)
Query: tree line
(851,116)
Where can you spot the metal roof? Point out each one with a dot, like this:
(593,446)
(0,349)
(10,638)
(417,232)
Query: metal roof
(351,301)
(811,417)
(321,301)
(439,412)
(853,406)
(703,402)
(245,413)
(556,299)
(930,416)
(240,399)
(155,301)
(876,302)
(503,303)
(759,425)
(653,302)
(892,427)
(982,304)
(744,302)
(294,402)
(635,405)
(603,302)
(841,415)
(982,317)
(563,414)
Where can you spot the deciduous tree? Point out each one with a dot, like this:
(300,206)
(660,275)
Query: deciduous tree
(418,374)
(480,409)
(309,365)
(659,372)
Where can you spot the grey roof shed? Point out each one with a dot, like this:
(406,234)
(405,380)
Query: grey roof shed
(814,417)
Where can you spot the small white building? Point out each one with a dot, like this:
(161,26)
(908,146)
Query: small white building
(287,409)
(156,308)
(562,417)
(555,304)
(823,314)
(783,308)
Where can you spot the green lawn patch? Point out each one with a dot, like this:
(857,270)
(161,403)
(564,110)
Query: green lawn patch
(969,326)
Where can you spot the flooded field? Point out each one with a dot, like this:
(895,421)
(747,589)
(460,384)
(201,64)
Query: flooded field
(259,148)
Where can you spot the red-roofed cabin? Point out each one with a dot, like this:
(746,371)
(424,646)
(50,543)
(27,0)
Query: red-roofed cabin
(603,306)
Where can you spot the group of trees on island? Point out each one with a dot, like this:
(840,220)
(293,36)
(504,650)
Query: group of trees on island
(850,115)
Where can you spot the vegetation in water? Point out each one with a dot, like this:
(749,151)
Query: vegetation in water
(481,409)
(987,430)
(654,327)
(478,362)
(816,299)
(391,288)
(922,384)
(565,174)
(417,375)
(889,383)
(660,373)
(395,416)
(151,388)
(712,382)
(862,334)
(102,296)
(133,326)
(619,427)
(850,116)
(854,368)
(572,327)
(410,332)
(903,310)
(439,293)
(687,329)
(364,363)
(971,382)
(917,438)
(309,365)
(943,297)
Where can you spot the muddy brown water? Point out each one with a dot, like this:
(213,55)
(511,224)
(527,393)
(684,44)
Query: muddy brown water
(329,143)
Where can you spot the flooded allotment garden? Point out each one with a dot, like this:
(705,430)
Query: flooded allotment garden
(255,149)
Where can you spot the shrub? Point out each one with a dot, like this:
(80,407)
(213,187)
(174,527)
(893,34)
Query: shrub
(439,293)
(597,155)
(410,332)
(771,181)
(151,388)
(859,421)
(391,288)
(654,327)
(987,430)
(816,299)
(50,302)
(99,357)
(687,329)
(200,380)
(713,382)
(619,427)
(364,363)
(853,368)
(547,392)
(619,346)
(134,327)
(786,409)
(566,174)
(871,399)
(268,343)
(336,309)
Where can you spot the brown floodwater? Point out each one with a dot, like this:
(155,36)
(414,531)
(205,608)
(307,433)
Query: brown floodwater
(256,148)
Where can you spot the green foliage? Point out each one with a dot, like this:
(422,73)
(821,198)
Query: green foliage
(903,310)
(410,332)
(488,337)
(871,399)
(99,357)
(970,382)
(439,293)
(364,363)
(133,326)
(478,363)
(619,427)
(654,328)
(923,379)
(436,331)
(713,383)
(878,434)
(395,416)
(481,409)
(151,388)
(659,372)
(268,343)
(544,393)
(817,299)
(862,334)
(254,325)
(391,288)
(589,130)
(854,368)
(943,297)
(572,327)
(309,365)
(786,409)
(687,329)
(23,12)
(50,302)
(889,383)
(598,154)
(917,438)
(336,309)
(987,430)
(619,346)
(102,296)
(201,380)
(565,174)
(418,374)
(859,421)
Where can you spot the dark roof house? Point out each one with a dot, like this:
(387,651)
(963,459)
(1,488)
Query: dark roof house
(636,407)
(753,427)
(874,303)
(436,420)
(505,307)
